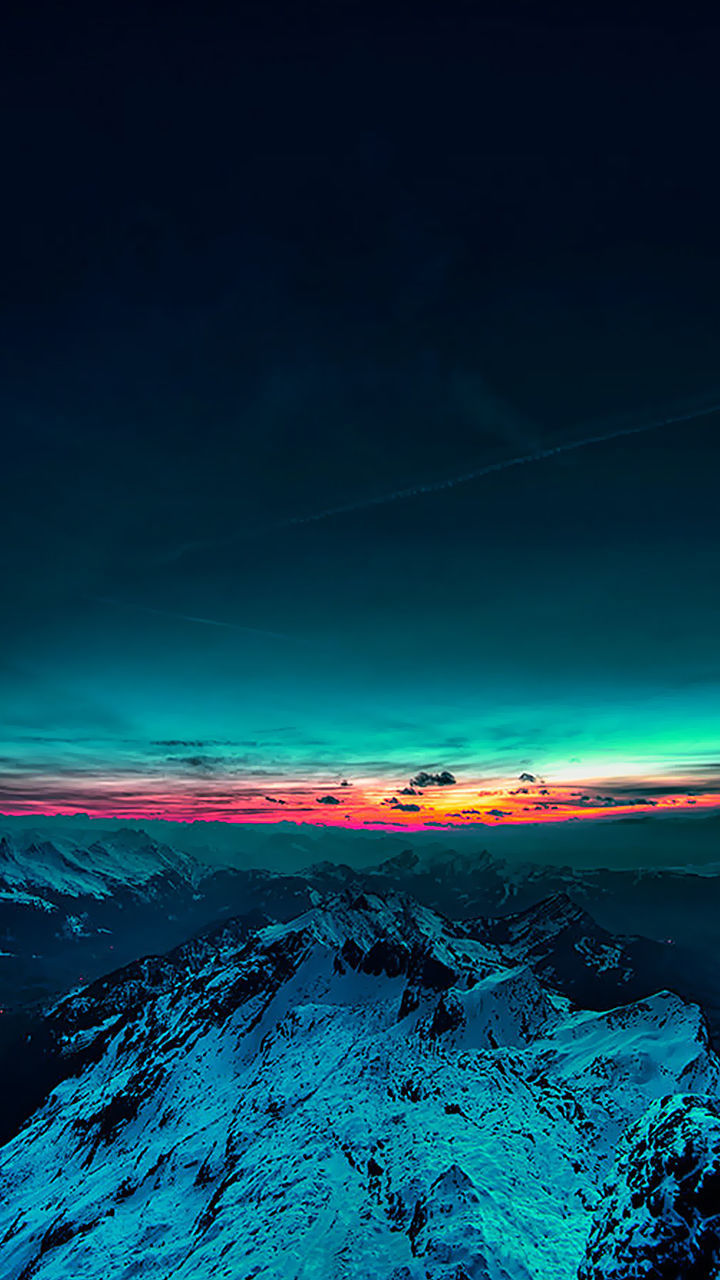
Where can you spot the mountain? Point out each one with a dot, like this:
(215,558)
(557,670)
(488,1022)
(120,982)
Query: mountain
(669,918)
(568,949)
(366,1090)
(115,860)
(71,909)
(677,904)
(74,907)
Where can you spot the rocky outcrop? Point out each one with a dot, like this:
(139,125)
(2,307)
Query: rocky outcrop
(659,1215)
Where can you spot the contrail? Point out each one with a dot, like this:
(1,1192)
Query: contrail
(464,477)
(437,486)
(189,617)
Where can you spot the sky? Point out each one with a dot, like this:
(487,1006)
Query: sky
(357,377)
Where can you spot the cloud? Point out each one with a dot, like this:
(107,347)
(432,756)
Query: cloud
(274,800)
(394,803)
(203,764)
(694,787)
(443,779)
(326,800)
(592,802)
(409,791)
(527,777)
(611,802)
(499,813)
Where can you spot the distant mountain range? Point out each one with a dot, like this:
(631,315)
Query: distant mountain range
(72,909)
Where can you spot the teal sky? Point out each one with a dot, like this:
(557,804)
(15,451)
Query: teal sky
(249,360)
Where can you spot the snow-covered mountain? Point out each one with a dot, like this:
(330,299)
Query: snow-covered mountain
(368,1090)
(71,909)
(115,860)
(569,950)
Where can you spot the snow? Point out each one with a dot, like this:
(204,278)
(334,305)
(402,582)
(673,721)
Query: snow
(322,1102)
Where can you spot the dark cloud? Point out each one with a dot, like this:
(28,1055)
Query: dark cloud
(203,764)
(668,789)
(394,803)
(499,813)
(326,800)
(527,777)
(409,791)
(575,800)
(443,779)
(614,802)
(274,800)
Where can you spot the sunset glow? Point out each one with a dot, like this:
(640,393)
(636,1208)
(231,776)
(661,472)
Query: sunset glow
(383,802)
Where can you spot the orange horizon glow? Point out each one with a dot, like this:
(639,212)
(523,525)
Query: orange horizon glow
(359,805)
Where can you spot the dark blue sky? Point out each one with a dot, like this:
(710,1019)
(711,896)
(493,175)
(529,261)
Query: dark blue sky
(265,265)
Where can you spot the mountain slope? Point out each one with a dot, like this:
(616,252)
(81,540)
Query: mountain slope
(367,1090)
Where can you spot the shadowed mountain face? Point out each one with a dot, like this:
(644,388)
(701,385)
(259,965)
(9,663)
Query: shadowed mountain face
(369,1089)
